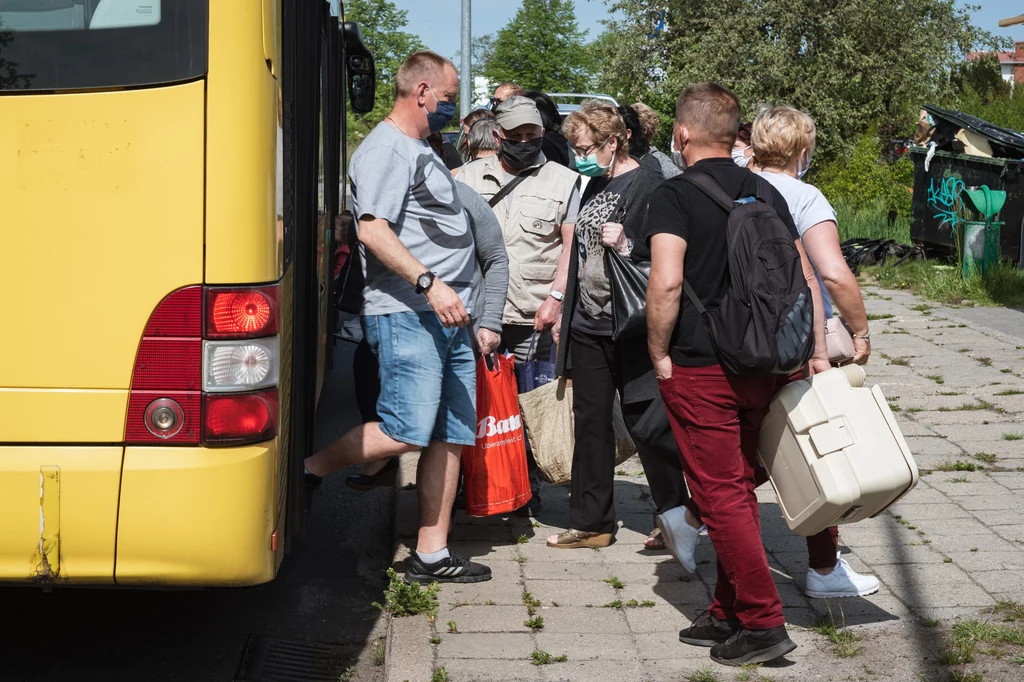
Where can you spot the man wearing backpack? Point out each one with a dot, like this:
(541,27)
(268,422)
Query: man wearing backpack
(732,306)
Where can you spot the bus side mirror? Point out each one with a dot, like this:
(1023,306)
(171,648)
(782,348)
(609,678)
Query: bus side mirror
(359,69)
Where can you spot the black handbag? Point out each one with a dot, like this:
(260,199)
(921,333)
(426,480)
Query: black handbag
(628,282)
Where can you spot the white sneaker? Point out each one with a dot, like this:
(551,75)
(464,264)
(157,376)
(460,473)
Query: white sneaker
(843,581)
(680,536)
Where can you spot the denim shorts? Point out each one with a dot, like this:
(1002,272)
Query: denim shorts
(427,378)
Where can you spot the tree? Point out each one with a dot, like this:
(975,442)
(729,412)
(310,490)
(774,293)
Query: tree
(543,48)
(851,65)
(10,79)
(381,24)
(480,52)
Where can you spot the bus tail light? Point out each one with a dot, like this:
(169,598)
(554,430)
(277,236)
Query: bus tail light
(239,418)
(164,405)
(240,365)
(241,313)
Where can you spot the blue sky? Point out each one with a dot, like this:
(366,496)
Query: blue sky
(437,21)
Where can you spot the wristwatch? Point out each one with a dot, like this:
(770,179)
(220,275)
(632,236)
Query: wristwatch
(629,246)
(557,295)
(424,282)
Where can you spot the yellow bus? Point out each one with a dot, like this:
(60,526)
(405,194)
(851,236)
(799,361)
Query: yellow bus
(166,254)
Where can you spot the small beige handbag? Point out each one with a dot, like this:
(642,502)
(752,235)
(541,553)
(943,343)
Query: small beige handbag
(838,341)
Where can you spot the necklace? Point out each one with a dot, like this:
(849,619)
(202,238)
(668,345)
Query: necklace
(395,123)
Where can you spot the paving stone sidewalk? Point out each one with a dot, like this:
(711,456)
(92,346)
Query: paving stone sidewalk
(951,548)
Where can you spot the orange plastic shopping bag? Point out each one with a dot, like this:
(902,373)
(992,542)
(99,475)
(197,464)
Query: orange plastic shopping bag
(494,473)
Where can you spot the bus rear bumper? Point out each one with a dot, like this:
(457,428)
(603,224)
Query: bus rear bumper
(197,516)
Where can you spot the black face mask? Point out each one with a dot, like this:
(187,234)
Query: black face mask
(520,155)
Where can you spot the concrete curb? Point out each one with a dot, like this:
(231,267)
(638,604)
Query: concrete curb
(414,660)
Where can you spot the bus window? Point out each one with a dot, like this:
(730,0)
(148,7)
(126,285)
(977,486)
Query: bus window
(78,44)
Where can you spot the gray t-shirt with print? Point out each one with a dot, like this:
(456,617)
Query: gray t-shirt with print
(400,179)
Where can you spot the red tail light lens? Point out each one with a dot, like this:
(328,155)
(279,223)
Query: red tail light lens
(241,313)
(236,419)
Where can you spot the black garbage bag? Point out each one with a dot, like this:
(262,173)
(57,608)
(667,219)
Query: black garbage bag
(859,251)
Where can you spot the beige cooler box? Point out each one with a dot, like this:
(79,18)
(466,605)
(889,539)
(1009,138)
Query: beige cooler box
(833,451)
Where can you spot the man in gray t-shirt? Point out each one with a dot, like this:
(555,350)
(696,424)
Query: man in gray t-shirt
(418,256)
(401,179)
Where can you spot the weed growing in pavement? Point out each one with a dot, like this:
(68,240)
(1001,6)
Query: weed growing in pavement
(518,556)
(1006,370)
(621,472)
(544,658)
(536,524)
(937,378)
(1013,436)
(969,407)
(435,640)
(615,582)
(535,623)
(844,642)
(380,651)
(974,549)
(959,675)
(401,599)
(617,604)
(1010,611)
(440,675)
(703,675)
(489,602)
(902,362)
(947,560)
(963,350)
(958,465)
(555,604)
(452,627)
(880,316)
(749,672)
(930,622)
(1010,391)
(923,308)
(948,393)
(986,457)
(926,542)
(528,600)
(958,479)
(522,540)
(985,361)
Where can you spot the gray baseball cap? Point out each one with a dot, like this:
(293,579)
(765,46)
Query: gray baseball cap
(517,111)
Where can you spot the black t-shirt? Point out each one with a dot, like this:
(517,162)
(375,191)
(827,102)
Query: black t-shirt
(680,208)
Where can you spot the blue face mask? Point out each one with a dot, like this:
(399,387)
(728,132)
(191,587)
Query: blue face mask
(588,165)
(439,119)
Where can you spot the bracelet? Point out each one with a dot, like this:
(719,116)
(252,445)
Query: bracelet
(866,337)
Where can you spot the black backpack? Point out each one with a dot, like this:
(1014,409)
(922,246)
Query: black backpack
(765,322)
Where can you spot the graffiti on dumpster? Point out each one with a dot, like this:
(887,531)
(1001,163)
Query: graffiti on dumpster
(945,200)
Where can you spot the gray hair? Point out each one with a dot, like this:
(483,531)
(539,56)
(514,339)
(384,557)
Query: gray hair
(481,137)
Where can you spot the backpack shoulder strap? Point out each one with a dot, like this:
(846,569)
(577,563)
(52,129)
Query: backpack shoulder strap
(764,191)
(707,184)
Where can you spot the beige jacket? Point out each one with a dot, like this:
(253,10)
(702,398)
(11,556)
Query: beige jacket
(531,218)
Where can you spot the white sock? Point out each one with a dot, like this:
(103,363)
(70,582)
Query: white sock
(433,558)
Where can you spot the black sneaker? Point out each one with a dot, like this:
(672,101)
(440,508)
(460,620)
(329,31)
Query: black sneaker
(312,488)
(706,630)
(455,569)
(753,646)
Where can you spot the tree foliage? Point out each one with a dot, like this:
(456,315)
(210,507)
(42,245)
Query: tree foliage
(542,47)
(850,64)
(382,25)
(480,52)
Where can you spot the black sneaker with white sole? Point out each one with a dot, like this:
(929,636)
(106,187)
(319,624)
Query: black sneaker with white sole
(706,630)
(753,646)
(453,569)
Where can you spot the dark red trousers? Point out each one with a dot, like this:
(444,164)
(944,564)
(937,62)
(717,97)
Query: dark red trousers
(716,418)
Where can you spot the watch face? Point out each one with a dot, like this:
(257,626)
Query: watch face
(424,281)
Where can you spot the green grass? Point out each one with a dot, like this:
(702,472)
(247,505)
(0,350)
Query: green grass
(844,642)
(958,479)
(937,378)
(930,622)
(947,560)
(974,549)
(535,623)
(452,627)
(901,362)
(986,457)
(948,393)
(969,407)
(943,283)
(522,540)
(615,582)
(960,675)
(963,350)
(380,651)
(617,604)
(1010,391)
(956,465)
(401,599)
(540,657)
(870,223)
(440,675)
(1009,611)
(702,675)
(923,308)
(985,361)
(528,599)
(1013,436)
(880,316)
(1006,370)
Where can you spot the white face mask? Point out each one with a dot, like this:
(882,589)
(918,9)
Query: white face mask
(801,167)
(677,156)
(739,158)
